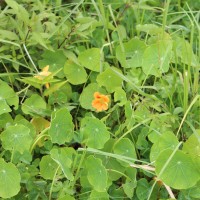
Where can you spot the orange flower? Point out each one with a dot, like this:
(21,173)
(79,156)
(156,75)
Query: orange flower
(44,73)
(100,102)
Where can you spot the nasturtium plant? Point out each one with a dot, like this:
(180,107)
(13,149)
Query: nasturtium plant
(192,145)
(109,79)
(94,131)
(91,59)
(63,157)
(166,141)
(120,96)
(157,57)
(34,105)
(4,108)
(75,73)
(16,138)
(62,128)
(130,54)
(87,96)
(8,94)
(178,171)
(125,148)
(96,174)
(99,100)
(48,167)
(9,179)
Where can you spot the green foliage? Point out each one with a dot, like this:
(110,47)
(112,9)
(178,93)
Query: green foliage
(137,61)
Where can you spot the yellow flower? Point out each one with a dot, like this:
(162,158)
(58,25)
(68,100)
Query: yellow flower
(100,102)
(43,74)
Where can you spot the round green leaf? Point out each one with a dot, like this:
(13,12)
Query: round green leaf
(62,127)
(180,172)
(90,59)
(120,96)
(64,156)
(16,138)
(8,94)
(125,148)
(96,174)
(4,108)
(34,105)
(166,141)
(156,58)
(94,131)
(87,96)
(75,74)
(132,54)
(109,79)
(192,145)
(48,167)
(9,179)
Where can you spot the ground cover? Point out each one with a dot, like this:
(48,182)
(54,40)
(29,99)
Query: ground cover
(99,99)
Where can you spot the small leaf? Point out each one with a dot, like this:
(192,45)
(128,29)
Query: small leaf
(192,145)
(8,94)
(34,105)
(120,95)
(126,148)
(75,74)
(96,174)
(16,138)
(62,127)
(94,131)
(166,141)
(109,79)
(180,172)
(9,179)
(90,59)
(48,167)
(157,57)
(132,54)
(63,156)
(4,108)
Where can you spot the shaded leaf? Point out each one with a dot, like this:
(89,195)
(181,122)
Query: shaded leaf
(9,179)
(62,127)
(90,59)
(94,131)
(96,174)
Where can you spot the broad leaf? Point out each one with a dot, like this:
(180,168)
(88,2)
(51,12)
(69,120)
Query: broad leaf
(75,74)
(94,131)
(166,141)
(16,138)
(63,157)
(62,127)
(9,179)
(157,57)
(34,105)
(125,148)
(109,79)
(131,53)
(8,94)
(48,167)
(90,59)
(180,172)
(96,174)
(192,145)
